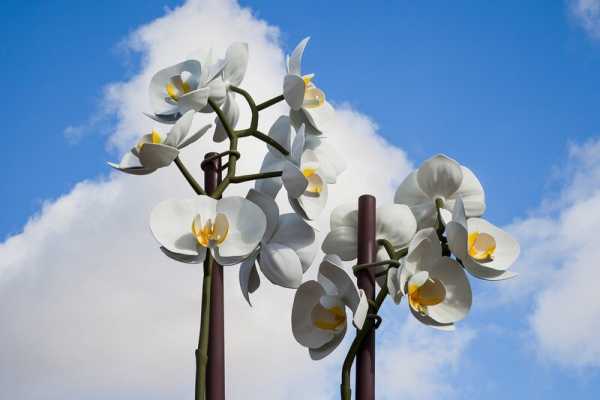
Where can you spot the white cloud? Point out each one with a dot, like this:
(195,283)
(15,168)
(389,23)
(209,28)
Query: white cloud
(587,14)
(560,265)
(419,362)
(88,304)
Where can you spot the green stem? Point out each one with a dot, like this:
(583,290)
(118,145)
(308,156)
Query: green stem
(233,153)
(193,183)
(360,267)
(346,389)
(202,351)
(268,140)
(269,102)
(441,228)
(389,248)
(252,177)
(251,104)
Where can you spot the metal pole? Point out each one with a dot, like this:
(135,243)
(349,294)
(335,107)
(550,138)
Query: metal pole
(215,374)
(365,360)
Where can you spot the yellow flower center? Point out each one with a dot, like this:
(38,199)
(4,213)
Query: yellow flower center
(210,232)
(481,246)
(331,319)
(313,96)
(315,184)
(176,88)
(430,293)
(153,138)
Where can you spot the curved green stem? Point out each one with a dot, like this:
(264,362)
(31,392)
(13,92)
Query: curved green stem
(270,141)
(269,102)
(233,153)
(251,104)
(193,183)
(346,389)
(202,351)
(360,267)
(252,177)
(439,204)
(389,248)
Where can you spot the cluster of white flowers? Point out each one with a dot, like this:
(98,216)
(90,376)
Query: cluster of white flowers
(432,232)
(247,231)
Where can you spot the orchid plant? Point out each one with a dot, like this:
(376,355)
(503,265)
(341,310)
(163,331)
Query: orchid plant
(427,240)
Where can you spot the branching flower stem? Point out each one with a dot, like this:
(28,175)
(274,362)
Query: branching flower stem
(269,102)
(193,183)
(234,136)
(202,351)
(234,155)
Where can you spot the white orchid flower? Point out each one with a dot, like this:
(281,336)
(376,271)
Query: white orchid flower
(440,177)
(155,151)
(183,87)
(230,228)
(286,250)
(437,287)
(236,63)
(305,184)
(319,310)
(330,163)
(486,251)
(301,94)
(394,223)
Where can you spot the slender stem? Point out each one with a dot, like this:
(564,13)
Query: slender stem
(270,141)
(193,183)
(252,177)
(233,142)
(269,102)
(346,389)
(389,248)
(251,104)
(202,351)
(439,204)
(360,267)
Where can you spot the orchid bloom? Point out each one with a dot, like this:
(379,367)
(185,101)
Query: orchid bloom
(485,250)
(319,310)
(154,151)
(331,165)
(189,84)
(236,63)
(394,223)
(437,287)
(442,178)
(230,228)
(304,98)
(286,250)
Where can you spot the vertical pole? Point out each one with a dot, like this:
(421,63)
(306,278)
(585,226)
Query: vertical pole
(365,360)
(215,373)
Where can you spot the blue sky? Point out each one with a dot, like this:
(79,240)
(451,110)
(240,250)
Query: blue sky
(505,87)
(503,84)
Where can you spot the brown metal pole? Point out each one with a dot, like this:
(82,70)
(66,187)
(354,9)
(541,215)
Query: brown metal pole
(215,373)
(365,359)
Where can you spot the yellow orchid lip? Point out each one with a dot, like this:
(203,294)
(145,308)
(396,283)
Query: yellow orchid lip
(481,246)
(313,96)
(176,91)
(432,292)
(210,232)
(154,137)
(336,317)
(315,183)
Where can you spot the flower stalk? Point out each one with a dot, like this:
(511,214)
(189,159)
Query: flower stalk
(368,328)
(202,350)
(189,178)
